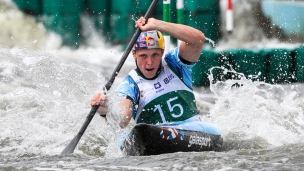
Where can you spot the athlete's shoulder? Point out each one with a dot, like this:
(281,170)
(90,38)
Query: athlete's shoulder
(128,87)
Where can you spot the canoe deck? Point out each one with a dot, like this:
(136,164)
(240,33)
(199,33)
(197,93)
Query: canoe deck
(147,139)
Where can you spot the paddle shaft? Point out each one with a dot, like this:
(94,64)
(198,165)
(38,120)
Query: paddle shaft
(129,47)
(71,146)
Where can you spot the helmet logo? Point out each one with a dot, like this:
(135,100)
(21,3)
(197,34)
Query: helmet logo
(148,40)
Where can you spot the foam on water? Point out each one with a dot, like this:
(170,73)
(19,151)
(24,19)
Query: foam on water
(45,97)
(258,113)
(43,101)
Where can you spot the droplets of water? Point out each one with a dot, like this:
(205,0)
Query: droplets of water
(248,110)
(211,41)
(44,103)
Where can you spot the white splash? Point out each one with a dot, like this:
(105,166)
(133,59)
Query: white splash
(248,110)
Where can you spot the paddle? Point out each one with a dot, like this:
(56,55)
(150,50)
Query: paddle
(71,146)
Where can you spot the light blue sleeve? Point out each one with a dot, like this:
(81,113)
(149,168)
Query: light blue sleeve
(185,70)
(128,88)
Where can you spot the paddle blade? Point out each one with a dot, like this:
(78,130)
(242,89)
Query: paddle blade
(71,146)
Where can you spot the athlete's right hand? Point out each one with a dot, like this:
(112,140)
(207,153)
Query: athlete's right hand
(144,25)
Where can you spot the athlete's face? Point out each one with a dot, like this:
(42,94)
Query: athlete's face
(148,61)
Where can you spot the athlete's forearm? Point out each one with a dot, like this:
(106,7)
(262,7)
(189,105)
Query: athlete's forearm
(192,39)
(127,108)
(184,33)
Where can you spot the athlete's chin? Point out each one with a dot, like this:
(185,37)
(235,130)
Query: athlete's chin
(149,74)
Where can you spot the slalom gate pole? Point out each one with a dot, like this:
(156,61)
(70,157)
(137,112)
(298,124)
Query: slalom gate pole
(229,17)
(166,18)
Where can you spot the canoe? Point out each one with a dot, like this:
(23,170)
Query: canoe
(145,139)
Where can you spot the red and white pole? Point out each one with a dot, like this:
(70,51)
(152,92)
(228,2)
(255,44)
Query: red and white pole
(229,17)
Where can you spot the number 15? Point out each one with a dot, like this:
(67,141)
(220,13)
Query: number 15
(171,108)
